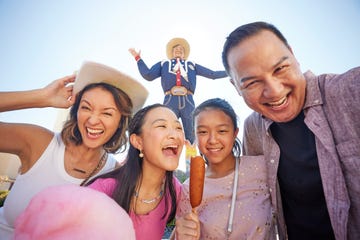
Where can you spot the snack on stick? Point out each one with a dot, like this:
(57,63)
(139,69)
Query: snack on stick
(197,175)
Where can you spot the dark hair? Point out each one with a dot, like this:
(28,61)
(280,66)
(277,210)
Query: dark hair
(130,172)
(225,107)
(244,32)
(118,142)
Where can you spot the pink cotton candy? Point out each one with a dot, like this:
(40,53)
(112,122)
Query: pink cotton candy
(73,212)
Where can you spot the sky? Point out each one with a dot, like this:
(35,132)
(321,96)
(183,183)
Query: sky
(41,40)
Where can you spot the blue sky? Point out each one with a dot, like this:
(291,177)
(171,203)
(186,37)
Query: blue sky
(45,40)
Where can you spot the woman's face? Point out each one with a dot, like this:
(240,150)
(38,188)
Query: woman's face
(161,139)
(98,117)
(215,135)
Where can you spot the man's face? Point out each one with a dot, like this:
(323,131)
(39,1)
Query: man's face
(178,52)
(265,72)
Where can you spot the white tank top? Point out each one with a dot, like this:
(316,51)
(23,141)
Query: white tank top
(49,170)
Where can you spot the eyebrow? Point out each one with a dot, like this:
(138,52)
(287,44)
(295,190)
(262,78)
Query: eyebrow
(163,120)
(107,108)
(274,66)
(220,125)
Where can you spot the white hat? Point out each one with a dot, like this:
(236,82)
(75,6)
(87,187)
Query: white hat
(92,72)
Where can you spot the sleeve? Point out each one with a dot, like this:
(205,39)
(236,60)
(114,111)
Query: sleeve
(252,135)
(149,74)
(105,185)
(205,72)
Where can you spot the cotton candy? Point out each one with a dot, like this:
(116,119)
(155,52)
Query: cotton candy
(73,212)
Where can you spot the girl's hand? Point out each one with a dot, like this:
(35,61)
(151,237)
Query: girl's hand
(188,227)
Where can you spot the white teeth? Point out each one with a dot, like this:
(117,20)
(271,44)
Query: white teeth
(214,149)
(171,146)
(278,103)
(94,131)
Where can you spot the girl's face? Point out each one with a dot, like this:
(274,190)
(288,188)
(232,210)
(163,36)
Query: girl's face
(98,117)
(162,139)
(215,135)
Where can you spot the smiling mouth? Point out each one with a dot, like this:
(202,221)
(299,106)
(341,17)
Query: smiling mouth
(278,103)
(173,149)
(94,132)
(214,149)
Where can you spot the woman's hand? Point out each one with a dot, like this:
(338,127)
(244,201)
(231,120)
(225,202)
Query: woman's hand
(60,92)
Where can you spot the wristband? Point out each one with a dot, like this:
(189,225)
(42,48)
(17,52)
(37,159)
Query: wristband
(137,58)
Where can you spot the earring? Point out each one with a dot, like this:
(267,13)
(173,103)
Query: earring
(141,155)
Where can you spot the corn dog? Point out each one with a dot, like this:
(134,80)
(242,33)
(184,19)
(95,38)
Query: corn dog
(197,174)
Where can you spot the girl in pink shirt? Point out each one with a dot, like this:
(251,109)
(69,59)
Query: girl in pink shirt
(144,185)
(236,199)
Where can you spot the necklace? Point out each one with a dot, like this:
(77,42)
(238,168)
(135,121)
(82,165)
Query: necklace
(97,166)
(149,201)
(100,163)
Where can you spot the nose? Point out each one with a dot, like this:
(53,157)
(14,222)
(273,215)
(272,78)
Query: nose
(175,133)
(93,119)
(272,88)
(212,138)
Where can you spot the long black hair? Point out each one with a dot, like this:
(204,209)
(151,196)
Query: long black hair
(130,173)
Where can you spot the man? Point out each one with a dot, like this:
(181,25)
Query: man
(178,79)
(308,128)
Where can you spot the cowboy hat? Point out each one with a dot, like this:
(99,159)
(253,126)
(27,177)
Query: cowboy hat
(174,42)
(92,72)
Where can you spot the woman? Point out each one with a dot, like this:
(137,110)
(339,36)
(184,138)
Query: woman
(145,186)
(96,127)
(235,203)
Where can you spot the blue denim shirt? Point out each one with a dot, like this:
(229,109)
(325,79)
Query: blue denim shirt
(332,113)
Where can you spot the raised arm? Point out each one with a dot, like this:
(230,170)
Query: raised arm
(28,141)
(56,94)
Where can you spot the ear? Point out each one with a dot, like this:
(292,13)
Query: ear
(233,83)
(291,50)
(236,132)
(136,141)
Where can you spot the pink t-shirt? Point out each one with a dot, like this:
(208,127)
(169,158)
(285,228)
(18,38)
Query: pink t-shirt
(149,226)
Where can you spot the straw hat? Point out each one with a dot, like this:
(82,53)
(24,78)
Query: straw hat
(177,41)
(92,72)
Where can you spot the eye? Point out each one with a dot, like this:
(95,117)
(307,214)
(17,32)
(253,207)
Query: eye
(281,68)
(201,132)
(107,114)
(251,83)
(84,107)
(223,131)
